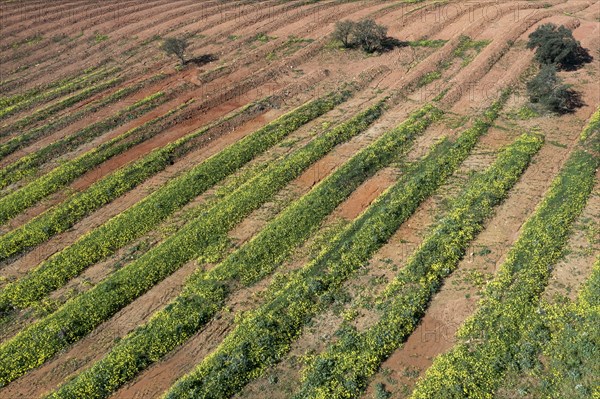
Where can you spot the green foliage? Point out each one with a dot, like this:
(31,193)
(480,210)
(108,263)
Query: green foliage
(489,340)
(573,352)
(366,34)
(555,45)
(175,46)
(99,37)
(263,37)
(343,32)
(344,368)
(28,165)
(48,111)
(265,334)
(548,89)
(76,207)
(40,341)
(428,78)
(156,207)
(253,261)
(68,87)
(593,127)
(466,47)
(369,35)
(524,113)
(26,137)
(17,201)
(381,392)
(557,353)
(437,43)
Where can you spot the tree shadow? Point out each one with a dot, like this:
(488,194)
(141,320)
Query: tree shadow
(578,59)
(390,43)
(386,45)
(202,60)
(573,101)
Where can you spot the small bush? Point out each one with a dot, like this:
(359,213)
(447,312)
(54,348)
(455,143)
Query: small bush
(99,37)
(555,45)
(381,392)
(263,37)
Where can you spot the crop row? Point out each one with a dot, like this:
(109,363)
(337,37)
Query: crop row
(46,112)
(593,126)
(27,165)
(70,211)
(28,137)
(488,341)
(262,338)
(343,370)
(155,208)
(32,346)
(572,352)
(67,88)
(557,355)
(17,98)
(204,293)
(17,201)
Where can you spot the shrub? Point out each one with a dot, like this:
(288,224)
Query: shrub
(548,90)
(381,392)
(556,45)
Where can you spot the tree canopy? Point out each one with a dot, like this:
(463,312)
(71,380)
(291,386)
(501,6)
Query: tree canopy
(555,45)
(175,46)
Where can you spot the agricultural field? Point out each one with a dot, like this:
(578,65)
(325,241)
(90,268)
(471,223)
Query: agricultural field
(299,199)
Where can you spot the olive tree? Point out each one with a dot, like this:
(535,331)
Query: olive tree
(366,34)
(175,46)
(556,45)
(343,32)
(369,35)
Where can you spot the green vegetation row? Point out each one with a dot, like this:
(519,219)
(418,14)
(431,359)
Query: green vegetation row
(593,126)
(204,293)
(558,350)
(156,207)
(50,110)
(344,369)
(17,201)
(263,337)
(489,339)
(67,88)
(64,215)
(36,133)
(573,364)
(34,345)
(436,43)
(465,44)
(28,165)
(17,98)
(461,51)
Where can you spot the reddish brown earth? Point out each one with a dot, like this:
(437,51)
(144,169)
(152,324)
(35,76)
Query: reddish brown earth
(43,42)
(458,297)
